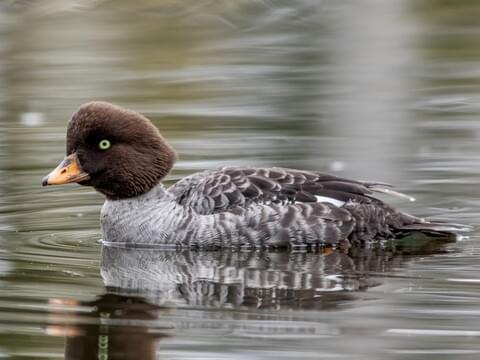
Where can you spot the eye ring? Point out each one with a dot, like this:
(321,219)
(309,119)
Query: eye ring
(104,144)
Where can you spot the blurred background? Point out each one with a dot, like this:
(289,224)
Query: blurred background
(368,89)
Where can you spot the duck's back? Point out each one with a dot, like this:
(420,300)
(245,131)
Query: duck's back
(278,206)
(225,189)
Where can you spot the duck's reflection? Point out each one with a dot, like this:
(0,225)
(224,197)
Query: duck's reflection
(234,279)
(110,327)
(145,285)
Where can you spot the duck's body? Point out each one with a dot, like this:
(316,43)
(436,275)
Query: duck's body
(123,156)
(255,207)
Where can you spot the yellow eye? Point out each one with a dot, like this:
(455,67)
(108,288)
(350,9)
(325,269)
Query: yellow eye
(104,144)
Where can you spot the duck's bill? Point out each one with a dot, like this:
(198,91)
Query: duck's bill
(68,171)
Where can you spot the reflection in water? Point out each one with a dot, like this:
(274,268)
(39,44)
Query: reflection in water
(145,285)
(258,279)
(233,279)
(117,327)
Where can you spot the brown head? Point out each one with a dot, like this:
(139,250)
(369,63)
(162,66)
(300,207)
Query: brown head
(117,151)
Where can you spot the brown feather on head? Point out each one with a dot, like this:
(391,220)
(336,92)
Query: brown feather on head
(122,152)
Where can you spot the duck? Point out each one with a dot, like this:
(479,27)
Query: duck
(122,155)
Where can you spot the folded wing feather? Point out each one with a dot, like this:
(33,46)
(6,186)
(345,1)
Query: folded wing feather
(230,187)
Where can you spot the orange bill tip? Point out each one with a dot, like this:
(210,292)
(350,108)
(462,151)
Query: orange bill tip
(68,171)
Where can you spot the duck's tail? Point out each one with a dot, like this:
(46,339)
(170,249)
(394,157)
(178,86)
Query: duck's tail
(433,227)
(380,221)
(427,236)
(409,223)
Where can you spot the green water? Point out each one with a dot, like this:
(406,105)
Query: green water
(368,89)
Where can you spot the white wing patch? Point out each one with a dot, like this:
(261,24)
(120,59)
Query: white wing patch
(392,192)
(330,200)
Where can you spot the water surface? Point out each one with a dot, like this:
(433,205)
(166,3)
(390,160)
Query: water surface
(371,89)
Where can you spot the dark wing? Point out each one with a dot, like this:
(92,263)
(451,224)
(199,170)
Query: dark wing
(230,187)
